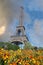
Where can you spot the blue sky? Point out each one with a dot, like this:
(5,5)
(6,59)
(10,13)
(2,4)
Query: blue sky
(33,19)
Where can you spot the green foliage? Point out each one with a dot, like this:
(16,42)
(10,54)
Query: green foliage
(28,46)
(2,44)
(13,47)
(40,48)
(35,48)
(1,61)
(9,46)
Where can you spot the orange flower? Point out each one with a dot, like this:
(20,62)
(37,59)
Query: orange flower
(14,63)
(30,56)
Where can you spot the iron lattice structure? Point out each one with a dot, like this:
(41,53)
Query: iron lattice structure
(20,36)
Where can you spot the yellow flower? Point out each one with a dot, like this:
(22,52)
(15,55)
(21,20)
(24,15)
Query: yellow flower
(38,63)
(8,61)
(19,50)
(14,54)
(5,56)
(19,62)
(5,61)
(34,61)
(10,64)
(2,49)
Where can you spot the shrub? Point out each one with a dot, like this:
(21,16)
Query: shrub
(9,46)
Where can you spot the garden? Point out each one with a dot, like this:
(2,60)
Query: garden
(21,56)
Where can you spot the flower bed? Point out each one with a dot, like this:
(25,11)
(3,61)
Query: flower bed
(21,57)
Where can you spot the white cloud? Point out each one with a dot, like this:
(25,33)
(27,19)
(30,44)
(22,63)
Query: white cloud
(38,27)
(36,5)
(36,33)
(38,30)
(9,11)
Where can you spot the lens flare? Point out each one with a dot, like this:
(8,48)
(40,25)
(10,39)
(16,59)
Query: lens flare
(2,30)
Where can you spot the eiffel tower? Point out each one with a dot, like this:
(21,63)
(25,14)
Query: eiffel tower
(20,37)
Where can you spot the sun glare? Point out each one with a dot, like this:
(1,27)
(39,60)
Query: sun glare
(2,30)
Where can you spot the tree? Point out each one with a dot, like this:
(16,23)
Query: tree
(8,45)
(28,46)
(40,48)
